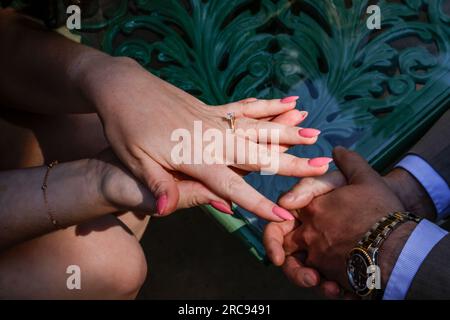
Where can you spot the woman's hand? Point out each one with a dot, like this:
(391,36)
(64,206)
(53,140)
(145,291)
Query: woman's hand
(120,190)
(140,112)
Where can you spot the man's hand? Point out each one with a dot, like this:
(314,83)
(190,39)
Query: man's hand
(274,235)
(333,223)
(293,265)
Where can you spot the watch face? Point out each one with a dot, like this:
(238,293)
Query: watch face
(357,265)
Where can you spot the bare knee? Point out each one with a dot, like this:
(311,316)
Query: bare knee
(116,270)
(110,261)
(126,274)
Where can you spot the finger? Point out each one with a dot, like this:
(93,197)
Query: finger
(160,182)
(354,167)
(294,241)
(272,132)
(330,289)
(194,193)
(273,238)
(251,156)
(259,108)
(299,274)
(309,188)
(248,100)
(290,118)
(227,184)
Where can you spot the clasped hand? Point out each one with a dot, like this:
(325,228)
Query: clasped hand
(333,213)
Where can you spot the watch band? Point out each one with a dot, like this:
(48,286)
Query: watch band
(370,244)
(375,237)
(379,232)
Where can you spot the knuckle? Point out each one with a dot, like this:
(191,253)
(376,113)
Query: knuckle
(272,103)
(198,196)
(293,164)
(158,185)
(307,182)
(135,151)
(233,184)
(311,259)
(237,107)
(269,229)
(308,237)
(259,203)
(256,205)
(243,124)
(312,208)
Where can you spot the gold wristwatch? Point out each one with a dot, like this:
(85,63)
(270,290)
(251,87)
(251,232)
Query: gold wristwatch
(362,263)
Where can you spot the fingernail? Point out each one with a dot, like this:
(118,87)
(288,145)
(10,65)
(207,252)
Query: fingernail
(282,213)
(249,100)
(319,162)
(336,291)
(289,197)
(309,281)
(289,99)
(308,133)
(304,114)
(221,207)
(161,204)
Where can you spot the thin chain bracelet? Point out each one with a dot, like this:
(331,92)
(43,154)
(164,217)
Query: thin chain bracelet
(44,189)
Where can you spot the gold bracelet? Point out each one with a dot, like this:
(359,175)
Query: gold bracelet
(44,189)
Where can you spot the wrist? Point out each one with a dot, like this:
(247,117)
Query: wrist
(95,173)
(391,249)
(115,188)
(93,72)
(411,193)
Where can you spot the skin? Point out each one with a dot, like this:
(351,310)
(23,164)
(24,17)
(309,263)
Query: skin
(78,102)
(119,105)
(331,220)
(134,105)
(105,221)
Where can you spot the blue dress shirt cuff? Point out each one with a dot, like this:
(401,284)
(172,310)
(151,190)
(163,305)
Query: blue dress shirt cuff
(421,241)
(433,183)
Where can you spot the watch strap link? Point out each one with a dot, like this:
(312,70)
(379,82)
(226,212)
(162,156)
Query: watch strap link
(374,238)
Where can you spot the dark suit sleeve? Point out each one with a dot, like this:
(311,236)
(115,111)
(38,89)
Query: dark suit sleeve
(432,280)
(434,147)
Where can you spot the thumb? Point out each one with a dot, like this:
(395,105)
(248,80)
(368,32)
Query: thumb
(354,167)
(162,184)
(309,188)
(273,239)
(194,193)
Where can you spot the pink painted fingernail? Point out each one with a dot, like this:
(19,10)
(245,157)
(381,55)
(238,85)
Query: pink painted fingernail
(161,204)
(319,162)
(304,114)
(308,133)
(289,99)
(309,281)
(282,213)
(221,207)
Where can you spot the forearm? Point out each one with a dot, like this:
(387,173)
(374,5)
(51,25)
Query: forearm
(72,192)
(41,70)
